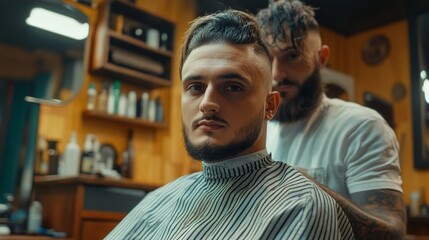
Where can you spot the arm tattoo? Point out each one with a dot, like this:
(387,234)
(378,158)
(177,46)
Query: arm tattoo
(380,214)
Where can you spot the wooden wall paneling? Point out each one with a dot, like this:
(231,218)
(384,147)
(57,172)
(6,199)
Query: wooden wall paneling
(338,45)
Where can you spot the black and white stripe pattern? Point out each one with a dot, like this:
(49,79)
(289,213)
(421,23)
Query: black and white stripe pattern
(257,200)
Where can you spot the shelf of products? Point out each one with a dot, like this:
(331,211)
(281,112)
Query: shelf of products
(133,45)
(123,120)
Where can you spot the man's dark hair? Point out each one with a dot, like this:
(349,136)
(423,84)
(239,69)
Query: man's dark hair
(287,16)
(229,26)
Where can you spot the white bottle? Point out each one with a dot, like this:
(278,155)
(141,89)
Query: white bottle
(92,97)
(152,110)
(71,157)
(111,101)
(35,217)
(145,106)
(122,105)
(131,107)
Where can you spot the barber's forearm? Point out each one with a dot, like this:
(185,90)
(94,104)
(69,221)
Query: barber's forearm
(376,214)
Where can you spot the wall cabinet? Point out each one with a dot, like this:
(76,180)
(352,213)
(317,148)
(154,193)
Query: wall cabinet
(133,45)
(86,207)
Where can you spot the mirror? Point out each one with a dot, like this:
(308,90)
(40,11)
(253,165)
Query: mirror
(419,53)
(43,47)
(50,52)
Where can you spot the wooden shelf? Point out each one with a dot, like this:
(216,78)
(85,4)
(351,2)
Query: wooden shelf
(133,76)
(117,54)
(139,43)
(124,120)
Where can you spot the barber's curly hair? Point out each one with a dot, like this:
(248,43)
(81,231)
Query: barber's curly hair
(229,26)
(287,16)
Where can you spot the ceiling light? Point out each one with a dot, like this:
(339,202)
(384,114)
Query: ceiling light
(57,23)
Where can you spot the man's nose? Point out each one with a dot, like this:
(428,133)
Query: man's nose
(210,102)
(277,71)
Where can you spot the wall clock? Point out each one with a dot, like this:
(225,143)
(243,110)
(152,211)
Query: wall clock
(375,49)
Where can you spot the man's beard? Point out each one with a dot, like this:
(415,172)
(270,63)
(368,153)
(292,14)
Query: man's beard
(304,103)
(245,137)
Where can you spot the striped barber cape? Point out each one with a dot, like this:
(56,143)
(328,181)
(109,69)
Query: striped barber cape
(253,198)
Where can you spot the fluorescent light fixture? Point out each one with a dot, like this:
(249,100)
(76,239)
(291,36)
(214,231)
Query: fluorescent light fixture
(57,23)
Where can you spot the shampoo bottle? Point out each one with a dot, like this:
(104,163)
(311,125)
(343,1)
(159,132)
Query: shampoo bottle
(71,157)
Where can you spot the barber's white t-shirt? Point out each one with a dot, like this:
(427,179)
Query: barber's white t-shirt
(345,146)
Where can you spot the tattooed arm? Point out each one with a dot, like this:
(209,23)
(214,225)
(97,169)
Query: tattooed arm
(375,214)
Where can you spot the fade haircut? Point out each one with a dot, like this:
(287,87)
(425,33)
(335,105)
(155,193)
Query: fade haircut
(229,26)
(287,16)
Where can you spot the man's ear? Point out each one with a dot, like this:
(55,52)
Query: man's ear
(324,55)
(272,104)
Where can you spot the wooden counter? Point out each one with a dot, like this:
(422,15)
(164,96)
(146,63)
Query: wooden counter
(87,206)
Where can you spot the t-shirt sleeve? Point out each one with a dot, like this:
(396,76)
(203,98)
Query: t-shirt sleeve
(372,157)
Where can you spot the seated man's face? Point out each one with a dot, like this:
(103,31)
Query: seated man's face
(224,92)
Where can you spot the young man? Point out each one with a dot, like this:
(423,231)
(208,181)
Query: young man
(241,193)
(342,145)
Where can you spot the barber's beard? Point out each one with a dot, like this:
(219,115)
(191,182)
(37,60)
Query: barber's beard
(245,137)
(304,103)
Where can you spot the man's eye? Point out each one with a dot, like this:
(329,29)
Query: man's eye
(234,88)
(291,56)
(195,88)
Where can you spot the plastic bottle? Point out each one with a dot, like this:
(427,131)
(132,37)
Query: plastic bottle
(415,204)
(111,101)
(53,157)
(87,161)
(35,217)
(122,105)
(71,157)
(42,166)
(92,95)
(152,111)
(159,116)
(116,94)
(131,104)
(102,98)
(98,164)
(145,106)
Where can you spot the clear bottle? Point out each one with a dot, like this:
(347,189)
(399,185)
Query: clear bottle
(92,95)
(71,157)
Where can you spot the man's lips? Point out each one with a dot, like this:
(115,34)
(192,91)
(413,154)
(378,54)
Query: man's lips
(209,125)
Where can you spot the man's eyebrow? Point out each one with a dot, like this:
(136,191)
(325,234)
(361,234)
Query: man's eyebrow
(232,76)
(192,78)
(289,48)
